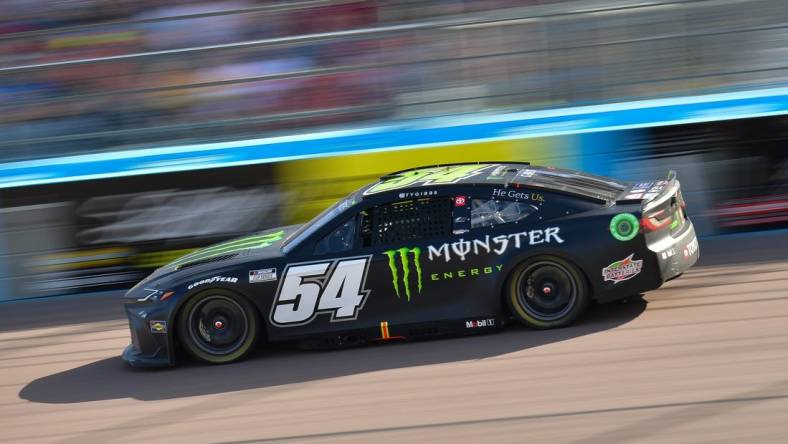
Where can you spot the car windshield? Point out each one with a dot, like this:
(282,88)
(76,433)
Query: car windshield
(318,222)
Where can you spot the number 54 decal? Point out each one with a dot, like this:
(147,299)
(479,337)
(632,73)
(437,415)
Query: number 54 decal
(306,289)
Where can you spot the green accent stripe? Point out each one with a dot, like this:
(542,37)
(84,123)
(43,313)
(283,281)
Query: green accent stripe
(259,241)
(220,247)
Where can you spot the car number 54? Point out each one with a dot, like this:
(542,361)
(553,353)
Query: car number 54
(335,287)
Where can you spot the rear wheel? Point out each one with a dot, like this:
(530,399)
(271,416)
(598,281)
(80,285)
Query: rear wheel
(547,292)
(218,326)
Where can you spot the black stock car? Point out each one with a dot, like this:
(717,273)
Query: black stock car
(433,251)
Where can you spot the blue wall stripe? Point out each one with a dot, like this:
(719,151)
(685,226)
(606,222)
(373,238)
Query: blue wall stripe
(403,135)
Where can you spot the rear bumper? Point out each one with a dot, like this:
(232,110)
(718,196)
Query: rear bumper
(662,260)
(676,255)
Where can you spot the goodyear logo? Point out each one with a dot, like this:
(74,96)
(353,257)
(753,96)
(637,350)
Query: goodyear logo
(403,259)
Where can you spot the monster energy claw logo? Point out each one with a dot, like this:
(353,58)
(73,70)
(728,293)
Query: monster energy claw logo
(405,255)
(232,246)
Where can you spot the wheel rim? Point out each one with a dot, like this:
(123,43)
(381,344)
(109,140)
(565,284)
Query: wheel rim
(218,325)
(546,290)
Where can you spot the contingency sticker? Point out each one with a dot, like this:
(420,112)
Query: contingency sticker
(622,270)
(264,275)
(158,326)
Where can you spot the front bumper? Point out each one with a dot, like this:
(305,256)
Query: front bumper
(152,342)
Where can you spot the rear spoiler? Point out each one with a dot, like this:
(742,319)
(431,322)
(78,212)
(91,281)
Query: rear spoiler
(655,195)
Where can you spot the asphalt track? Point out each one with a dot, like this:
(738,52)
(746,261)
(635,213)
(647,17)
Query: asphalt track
(704,359)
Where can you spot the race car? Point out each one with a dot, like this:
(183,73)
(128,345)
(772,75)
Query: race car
(426,252)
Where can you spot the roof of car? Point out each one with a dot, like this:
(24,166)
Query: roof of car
(505,174)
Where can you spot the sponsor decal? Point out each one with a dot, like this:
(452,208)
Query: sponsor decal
(480,323)
(428,176)
(497,173)
(264,275)
(213,280)
(460,201)
(407,272)
(691,248)
(634,196)
(519,195)
(465,272)
(405,256)
(526,173)
(309,288)
(158,326)
(622,270)
(234,246)
(495,244)
(667,254)
(412,194)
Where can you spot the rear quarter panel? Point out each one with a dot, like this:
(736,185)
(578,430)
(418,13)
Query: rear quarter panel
(588,243)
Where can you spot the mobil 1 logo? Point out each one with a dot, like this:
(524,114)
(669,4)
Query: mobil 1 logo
(307,289)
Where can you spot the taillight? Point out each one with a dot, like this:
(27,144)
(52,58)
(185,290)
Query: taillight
(656,221)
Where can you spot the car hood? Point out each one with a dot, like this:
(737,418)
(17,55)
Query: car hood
(261,245)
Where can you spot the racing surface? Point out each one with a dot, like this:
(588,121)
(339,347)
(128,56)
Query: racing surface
(704,359)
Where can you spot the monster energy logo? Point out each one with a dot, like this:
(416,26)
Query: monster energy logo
(405,255)
(234,246)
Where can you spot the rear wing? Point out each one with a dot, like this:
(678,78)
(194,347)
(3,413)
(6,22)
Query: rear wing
(668,191)
(651,194)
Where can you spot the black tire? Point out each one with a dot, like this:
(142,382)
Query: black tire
(547,292)
(218,326)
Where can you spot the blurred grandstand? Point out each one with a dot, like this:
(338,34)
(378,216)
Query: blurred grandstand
(97,76)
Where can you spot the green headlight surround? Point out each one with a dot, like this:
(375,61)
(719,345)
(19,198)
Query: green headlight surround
(624,226)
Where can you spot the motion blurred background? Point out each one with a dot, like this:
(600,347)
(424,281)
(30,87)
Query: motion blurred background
(135,131)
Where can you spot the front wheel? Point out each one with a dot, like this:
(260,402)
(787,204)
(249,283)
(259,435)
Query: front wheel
(218,326)
(547,292)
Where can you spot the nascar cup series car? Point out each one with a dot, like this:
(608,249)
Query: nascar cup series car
(421,253)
